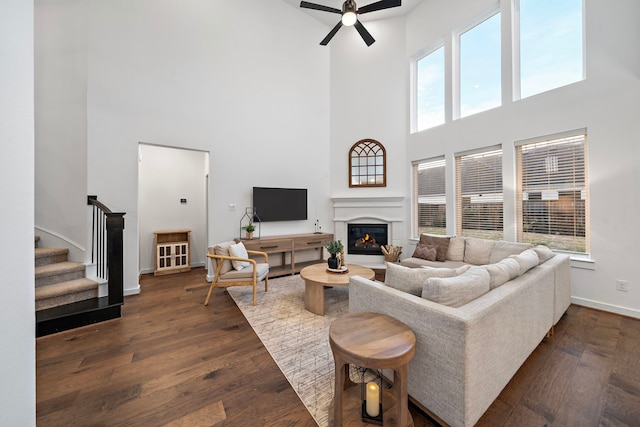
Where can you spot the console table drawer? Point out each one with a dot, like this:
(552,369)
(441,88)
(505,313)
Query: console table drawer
(312,242)
(269,245)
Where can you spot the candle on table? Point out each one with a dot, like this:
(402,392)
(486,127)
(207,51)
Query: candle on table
(373,399)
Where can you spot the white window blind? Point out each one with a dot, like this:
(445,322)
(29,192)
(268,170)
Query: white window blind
(479,201)
(552,188)
(429,201)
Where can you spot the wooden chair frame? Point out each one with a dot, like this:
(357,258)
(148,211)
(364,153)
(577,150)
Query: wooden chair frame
(246,282)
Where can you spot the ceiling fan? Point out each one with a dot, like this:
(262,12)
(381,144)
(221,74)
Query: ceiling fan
(350,14)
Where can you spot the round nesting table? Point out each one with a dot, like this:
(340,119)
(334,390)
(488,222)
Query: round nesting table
(375,341)
(316,277)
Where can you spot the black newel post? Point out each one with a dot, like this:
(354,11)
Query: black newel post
(115,257)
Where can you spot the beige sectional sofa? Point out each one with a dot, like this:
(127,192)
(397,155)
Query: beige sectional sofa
(474,329)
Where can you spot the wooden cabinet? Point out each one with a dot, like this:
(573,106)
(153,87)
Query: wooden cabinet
(287,247)
(172,254)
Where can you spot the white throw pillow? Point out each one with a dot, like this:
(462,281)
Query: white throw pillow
(459,290)
(527,260)
(411,280)
(239,251)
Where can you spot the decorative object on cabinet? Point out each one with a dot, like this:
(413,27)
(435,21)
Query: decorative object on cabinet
(172,254)
(248,223)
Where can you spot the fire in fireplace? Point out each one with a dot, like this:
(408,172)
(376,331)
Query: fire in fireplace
(366,239)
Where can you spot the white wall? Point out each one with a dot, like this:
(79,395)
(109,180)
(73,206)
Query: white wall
(17,321)
(606,103)
(167,175)
(245,81)
(61,134)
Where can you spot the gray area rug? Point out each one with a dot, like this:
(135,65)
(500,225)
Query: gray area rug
(297,340)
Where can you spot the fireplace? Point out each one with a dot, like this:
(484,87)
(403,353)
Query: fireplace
(366,239)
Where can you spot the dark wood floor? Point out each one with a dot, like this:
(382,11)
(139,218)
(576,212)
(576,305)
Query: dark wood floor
(172,361)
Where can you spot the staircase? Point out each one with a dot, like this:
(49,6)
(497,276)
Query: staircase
(60,282)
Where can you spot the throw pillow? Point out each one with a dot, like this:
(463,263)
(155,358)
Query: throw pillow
(527,260)
(459,290)
(223,249)
(544,253)
(478,251)
(455,252)
(239,251)
(427,252)
(440,242)
(411,280)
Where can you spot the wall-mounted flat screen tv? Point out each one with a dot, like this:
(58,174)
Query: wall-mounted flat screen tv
(280,204)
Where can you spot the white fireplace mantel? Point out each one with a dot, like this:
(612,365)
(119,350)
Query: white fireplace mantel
(384,210)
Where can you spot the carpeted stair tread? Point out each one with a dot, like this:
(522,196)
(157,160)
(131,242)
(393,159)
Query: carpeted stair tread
(58,268)
(44,256)
(63,293)
(58,272)
(65,288)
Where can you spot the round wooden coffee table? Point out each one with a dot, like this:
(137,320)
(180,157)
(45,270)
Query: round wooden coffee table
(316,277)
(376,341)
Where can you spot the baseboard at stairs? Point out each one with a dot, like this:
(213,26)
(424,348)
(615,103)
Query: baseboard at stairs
(75,315)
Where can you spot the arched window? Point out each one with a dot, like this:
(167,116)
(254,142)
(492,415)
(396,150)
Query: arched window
(367,164)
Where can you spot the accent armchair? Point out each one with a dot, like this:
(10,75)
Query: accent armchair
(232,267)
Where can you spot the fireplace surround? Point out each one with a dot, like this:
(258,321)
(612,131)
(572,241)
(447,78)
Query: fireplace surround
(384,210)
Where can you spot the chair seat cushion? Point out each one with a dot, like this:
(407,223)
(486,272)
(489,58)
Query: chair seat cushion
(245,274)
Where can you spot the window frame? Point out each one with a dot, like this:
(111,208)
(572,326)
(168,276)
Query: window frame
(438,161)
(414,125)
(584,192)
(457,62)
(494,234)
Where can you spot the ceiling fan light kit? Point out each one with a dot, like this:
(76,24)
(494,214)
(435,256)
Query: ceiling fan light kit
(349,17)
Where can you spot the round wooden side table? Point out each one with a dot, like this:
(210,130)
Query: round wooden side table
(375,341)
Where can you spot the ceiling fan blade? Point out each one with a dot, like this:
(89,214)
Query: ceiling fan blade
(332,33)
(314,6)
(379,5)
(366,36)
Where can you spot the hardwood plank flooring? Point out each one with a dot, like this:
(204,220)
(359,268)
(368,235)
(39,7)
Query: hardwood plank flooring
(171,361)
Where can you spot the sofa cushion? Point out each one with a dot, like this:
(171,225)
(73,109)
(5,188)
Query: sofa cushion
(262,268)
(411,280)
(503,249)
(223,249)
(478,251)
(511,266)
(527,260)
(459,290)
(427,252)
(419,262)
(455,252)
(498,275)
(544,253)
(440,242)
(238,250)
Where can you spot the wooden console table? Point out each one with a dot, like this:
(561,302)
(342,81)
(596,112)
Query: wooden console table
(376,341)
(291,244)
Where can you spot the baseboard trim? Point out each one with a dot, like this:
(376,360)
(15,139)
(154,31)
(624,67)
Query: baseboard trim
(629,312)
